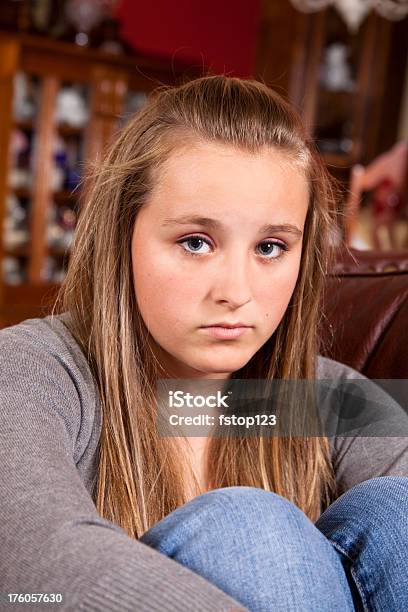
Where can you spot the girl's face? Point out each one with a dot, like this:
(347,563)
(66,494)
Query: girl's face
(219,241)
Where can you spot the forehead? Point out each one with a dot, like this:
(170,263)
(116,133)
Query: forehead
(214,177)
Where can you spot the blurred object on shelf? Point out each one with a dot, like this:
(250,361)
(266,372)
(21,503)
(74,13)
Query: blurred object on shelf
(354,11)
(34,16)
(25,97)
(335,72)
(61,226)
(71,107)
(72,116)
(85,22)
(53,271)
(15,225)
(59,169)
(109,33)
(377,207)
(13,271)
(72,177)
(86,15)
(66,170)
(47,17)
(21,168)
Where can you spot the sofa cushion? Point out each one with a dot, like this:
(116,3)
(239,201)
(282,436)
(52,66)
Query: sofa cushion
(365,306)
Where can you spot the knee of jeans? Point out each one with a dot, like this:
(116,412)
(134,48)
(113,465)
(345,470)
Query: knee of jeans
(244,495)
(230,517)
(249,503)
(384,499)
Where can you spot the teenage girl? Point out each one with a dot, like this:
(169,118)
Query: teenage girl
(211,210)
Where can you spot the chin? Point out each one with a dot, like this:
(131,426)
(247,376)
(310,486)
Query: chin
(224,366)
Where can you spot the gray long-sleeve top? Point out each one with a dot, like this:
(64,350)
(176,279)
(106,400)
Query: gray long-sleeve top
(52,539)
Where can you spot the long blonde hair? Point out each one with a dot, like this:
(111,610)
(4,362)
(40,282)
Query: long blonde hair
(139,477)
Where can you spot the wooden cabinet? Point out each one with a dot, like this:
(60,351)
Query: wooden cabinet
(338,84)
(43,147)
(347,87)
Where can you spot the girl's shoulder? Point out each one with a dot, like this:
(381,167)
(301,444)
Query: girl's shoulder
(44,374)
(329,368)
(49,336)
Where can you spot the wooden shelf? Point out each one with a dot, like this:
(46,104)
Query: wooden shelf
(22,192)
(23,250)
(51,48)
(68,131)
(24,124)
(58,252)
(64,196)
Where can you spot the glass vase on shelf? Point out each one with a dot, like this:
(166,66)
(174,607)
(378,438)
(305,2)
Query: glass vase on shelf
(15,225)
(26,97)
(72,106)
(337,90)
(14,270)
(86,15)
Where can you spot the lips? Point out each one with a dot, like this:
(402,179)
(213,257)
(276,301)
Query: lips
(221,332)
(227,325)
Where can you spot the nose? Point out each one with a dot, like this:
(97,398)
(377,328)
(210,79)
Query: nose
(232,281)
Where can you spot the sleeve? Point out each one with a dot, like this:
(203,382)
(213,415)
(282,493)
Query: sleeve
(372,428)
(52,538)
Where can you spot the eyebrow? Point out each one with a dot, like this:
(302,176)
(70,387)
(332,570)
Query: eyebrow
(215,224)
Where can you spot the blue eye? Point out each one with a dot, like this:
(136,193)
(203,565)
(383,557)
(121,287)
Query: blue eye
(278,249)
(274,249)
(196,241)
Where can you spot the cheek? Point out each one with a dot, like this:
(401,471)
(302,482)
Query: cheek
(276,297)
(163,297)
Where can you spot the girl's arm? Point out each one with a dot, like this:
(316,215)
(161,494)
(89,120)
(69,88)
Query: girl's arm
(378,446)
(53,541)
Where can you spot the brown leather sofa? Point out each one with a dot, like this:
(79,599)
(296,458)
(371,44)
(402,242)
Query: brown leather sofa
(365,310)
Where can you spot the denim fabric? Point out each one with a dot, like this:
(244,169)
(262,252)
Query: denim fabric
(368,526)
(263,551)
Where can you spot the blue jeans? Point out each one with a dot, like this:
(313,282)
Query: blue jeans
(263,551)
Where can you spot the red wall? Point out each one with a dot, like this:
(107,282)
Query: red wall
(219,34)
